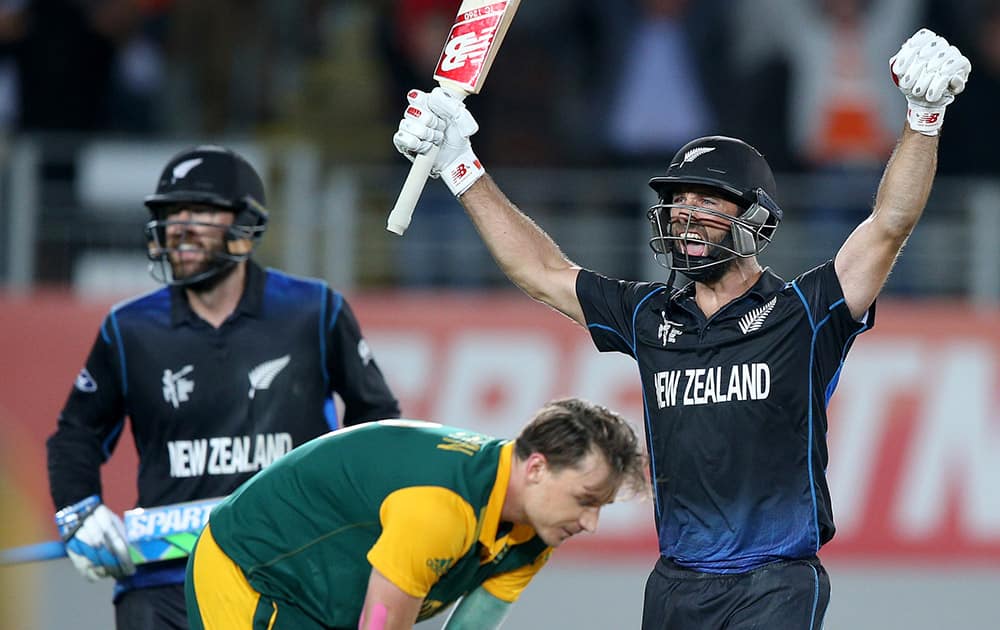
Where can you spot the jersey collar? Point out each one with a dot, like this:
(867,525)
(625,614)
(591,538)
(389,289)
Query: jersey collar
(253,295)
(767,285)
(250,303)
(490,519)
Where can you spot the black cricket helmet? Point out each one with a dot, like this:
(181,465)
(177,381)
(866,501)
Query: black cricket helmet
(740,174)
(214,176)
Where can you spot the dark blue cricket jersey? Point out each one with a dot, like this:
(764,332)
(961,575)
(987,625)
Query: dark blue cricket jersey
(210,407)
(735,410)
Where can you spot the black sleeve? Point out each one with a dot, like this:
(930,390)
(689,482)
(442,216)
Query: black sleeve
(354,375)
(821,291)
(89,426)
(609,307)
(834,327)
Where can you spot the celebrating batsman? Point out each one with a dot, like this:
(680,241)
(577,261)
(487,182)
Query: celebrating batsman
(738,365)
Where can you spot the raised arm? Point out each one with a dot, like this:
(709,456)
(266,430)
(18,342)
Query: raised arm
(866,258)
(524,252)
(930,73)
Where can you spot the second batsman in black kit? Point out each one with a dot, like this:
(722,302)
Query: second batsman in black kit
(221,372)
(737,366)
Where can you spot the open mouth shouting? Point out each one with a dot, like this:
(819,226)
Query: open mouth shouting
(692,244)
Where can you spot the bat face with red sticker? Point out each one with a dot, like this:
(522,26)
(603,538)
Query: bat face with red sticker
(465,61)
(473,43)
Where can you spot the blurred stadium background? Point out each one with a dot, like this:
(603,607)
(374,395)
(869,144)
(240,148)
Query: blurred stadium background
(586,101)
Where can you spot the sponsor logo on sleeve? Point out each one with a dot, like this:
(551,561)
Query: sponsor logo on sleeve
(365,352)
(439,565)
(85,382)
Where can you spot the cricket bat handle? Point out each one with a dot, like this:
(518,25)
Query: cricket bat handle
(155,534)
(49,550)
(402,212)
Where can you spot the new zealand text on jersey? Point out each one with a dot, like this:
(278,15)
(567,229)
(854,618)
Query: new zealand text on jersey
(226,455)
(706,386)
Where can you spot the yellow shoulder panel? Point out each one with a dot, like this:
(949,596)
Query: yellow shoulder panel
(425,530)
(508,586)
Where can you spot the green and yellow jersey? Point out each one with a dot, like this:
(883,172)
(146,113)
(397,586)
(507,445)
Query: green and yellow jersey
(420,502)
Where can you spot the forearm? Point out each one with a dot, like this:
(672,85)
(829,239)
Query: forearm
(479,610)
(864,261)
(906,184)
(387,607)
(524,252)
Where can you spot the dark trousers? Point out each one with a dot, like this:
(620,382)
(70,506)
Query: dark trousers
(787,595)
(156,608)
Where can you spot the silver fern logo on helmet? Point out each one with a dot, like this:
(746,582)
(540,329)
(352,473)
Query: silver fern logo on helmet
(694,154)
(182,169)
(202,179)
(738,174)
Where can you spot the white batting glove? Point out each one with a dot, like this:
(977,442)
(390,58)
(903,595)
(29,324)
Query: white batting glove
(95,539)
(929,73)
(441,119)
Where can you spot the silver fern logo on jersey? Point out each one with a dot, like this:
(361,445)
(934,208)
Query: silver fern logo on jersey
(263,375)
(177,387)
(752,321)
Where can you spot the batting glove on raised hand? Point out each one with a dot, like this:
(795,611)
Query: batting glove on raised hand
(929,72)
(440,119)
(95,539)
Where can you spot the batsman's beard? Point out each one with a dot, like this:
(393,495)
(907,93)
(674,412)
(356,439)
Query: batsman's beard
(707,269)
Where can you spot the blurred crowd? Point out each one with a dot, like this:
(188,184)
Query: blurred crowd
(581,82)
(589,83)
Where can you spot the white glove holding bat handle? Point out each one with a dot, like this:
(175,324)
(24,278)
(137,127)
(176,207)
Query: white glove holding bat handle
(95,539)
(441,119)
(929,72)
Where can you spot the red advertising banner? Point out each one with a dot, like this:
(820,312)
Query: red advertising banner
(914,427)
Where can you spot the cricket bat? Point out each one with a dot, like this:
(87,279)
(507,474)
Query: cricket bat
(472,45)
(154,534)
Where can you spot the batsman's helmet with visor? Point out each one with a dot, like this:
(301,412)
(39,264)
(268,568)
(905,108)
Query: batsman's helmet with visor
(206,175)
(741,175)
